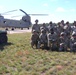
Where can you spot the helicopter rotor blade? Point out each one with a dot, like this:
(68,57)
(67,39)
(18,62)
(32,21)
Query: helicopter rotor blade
(39,14)
(16,16)
(23,12)
(9,12)
(32,15)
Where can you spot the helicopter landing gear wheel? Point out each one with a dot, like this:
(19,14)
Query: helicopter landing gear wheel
(21,28)
(28,28)
(12,29)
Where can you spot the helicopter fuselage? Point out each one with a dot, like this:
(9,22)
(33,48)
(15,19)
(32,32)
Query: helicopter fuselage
(25,22)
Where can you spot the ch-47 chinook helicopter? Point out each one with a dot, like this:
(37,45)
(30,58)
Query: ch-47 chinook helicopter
(24,22)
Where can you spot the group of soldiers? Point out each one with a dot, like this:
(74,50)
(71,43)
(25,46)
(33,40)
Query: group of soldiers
(60,36)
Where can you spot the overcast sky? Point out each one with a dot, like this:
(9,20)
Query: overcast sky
(57,9)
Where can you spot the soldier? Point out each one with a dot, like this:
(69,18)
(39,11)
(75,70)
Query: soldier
(50,26)
(73,42)
(52,39)
(42,39)
(63,42)
(36,27)
(59,29)
(62,23)
(44,27)
(74,27)
(34,39)
(68,30)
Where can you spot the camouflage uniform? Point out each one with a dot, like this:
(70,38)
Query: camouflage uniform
(50,26)
(73,42)
(52,39)
(62,23)
(68,31)
(59,29)
(44,27)
(74,28)
(63,42)
(42,39)
(36,27)
(34,39)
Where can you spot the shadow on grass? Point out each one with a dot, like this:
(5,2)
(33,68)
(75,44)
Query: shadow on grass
(5,44)
(55,50)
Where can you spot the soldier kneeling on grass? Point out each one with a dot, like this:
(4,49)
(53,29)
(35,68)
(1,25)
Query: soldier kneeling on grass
(73,42)
(42,43)
(63,42)
(52,40)
(34,39)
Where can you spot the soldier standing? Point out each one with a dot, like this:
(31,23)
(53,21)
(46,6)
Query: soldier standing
(68,30)
(36,27)
(62,23)
(50,26)
(74,27)
(44,27)
(59,29)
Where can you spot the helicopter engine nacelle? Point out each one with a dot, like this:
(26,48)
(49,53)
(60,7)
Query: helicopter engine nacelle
(26,18)
(27,21)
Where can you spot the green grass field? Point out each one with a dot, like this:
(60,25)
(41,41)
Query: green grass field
(18,58)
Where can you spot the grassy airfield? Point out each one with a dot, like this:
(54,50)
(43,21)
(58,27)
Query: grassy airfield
(18,58)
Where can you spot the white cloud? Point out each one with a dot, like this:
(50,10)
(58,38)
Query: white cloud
(1,7)
(51,15)
(60,9)
(53,0)
(67,1)
(45,4)
(72,10)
